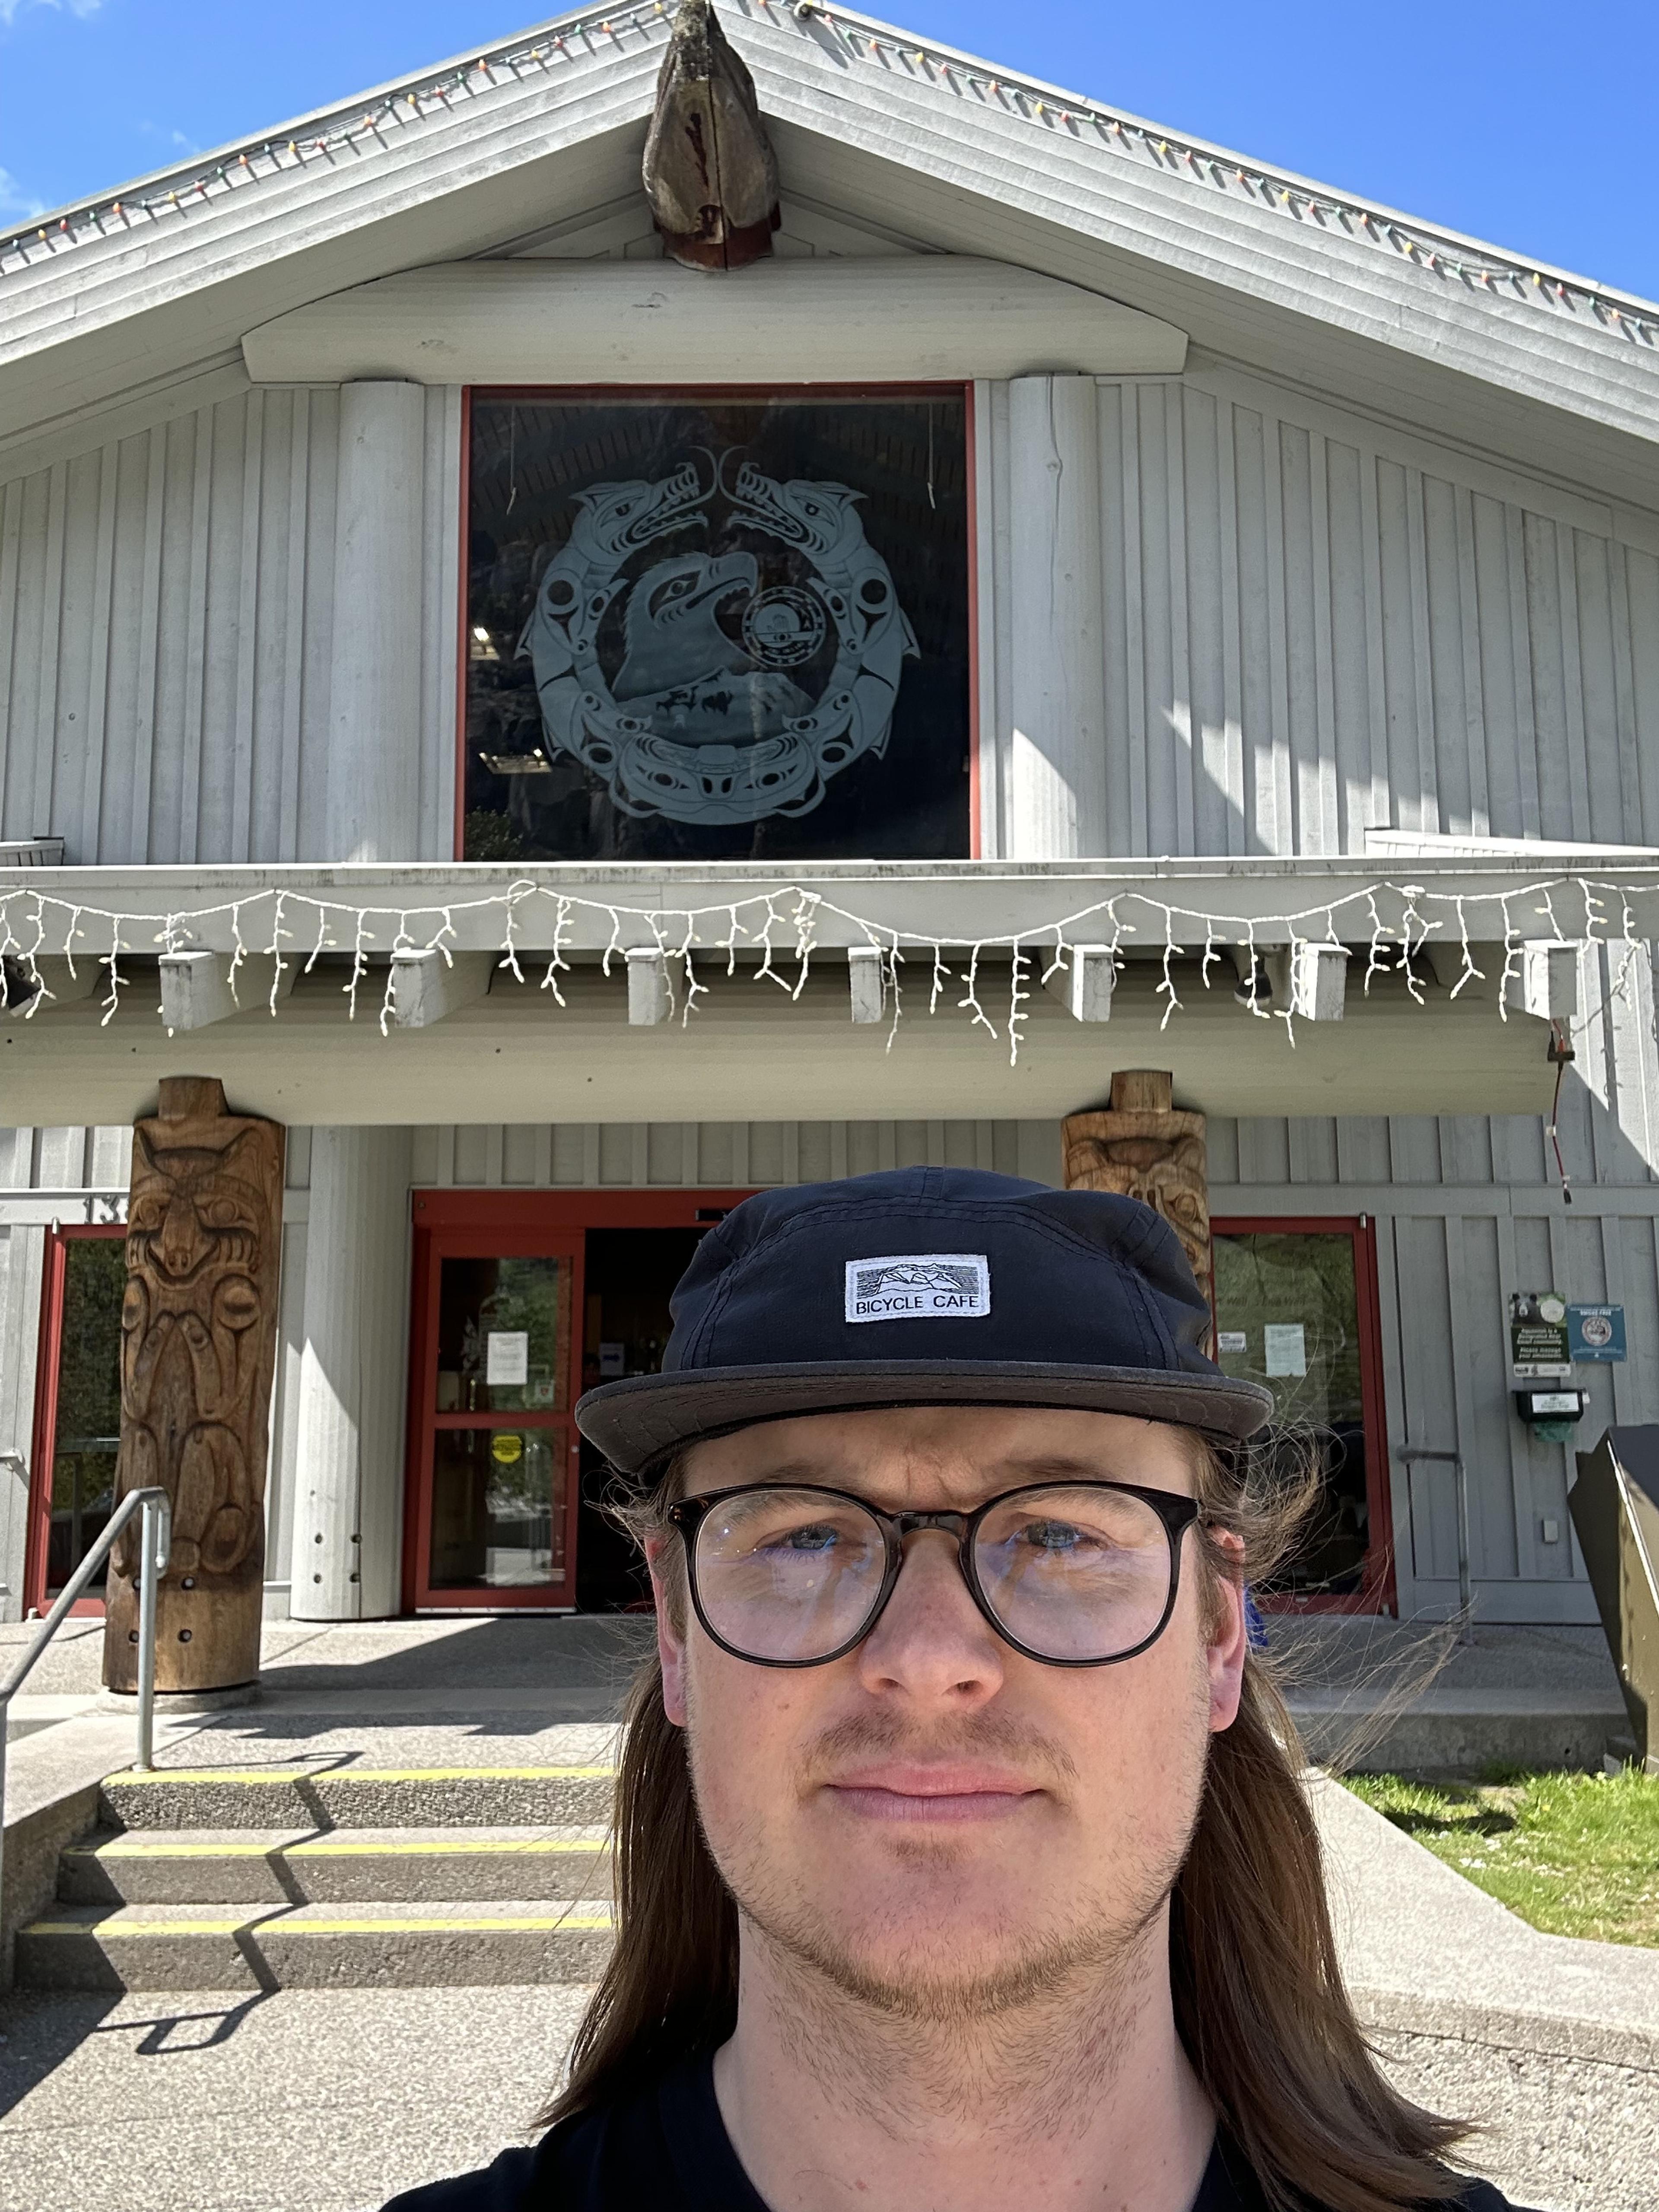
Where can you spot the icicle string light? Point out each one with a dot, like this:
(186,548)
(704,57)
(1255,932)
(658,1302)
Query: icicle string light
(522,63)
(36,929)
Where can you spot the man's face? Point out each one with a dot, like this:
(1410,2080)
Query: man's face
(937,1822)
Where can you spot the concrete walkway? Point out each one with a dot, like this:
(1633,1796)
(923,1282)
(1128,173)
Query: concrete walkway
(1554,2044)
(1551,2042)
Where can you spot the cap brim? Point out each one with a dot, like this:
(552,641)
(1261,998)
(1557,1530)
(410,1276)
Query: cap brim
(637,1423)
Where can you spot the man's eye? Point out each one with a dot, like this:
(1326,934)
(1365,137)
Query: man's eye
(1054,1535)
(817,1537)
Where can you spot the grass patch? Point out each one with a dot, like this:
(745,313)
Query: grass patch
(1573,1854)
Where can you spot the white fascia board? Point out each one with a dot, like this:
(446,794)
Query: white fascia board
(1187,903)
(629,322)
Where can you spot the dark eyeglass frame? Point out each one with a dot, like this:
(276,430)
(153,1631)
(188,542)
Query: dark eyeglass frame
(1176,1512)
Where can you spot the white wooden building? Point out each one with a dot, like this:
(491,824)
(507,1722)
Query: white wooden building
(1301,582)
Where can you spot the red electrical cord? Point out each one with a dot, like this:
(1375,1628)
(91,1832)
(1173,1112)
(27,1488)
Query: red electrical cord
(1560,1053)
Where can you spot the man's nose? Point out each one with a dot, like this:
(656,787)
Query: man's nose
(933,1643)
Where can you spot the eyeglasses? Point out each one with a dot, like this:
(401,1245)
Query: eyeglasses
(1076,1574)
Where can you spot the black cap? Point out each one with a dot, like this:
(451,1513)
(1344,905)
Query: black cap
(926,1287)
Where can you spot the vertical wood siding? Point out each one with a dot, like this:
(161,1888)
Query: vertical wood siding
(165,610)
(1316,625)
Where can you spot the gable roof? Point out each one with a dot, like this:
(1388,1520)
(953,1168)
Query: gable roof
(1257,264)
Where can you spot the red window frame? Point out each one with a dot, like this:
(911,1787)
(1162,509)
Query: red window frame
(735,391)
(1377,1592)
(47,1365)
(485,1224)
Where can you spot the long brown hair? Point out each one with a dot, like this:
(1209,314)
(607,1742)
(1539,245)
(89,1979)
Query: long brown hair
(1259,1997)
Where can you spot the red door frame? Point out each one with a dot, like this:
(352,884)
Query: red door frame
(47,1365)
(485,1224)
(1376,1593)
(900,389)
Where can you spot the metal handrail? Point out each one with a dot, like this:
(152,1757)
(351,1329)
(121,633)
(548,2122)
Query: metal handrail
(154,1544)
(1406,1453)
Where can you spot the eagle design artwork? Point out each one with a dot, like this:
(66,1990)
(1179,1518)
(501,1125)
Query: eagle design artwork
(198,1330)
(733,701)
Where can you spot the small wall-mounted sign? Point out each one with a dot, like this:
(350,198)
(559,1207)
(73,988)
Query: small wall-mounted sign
(1595,1332)
(1538,1337)
(1233,1340)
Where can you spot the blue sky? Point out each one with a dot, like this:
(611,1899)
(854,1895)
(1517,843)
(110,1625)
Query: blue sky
(1521,122)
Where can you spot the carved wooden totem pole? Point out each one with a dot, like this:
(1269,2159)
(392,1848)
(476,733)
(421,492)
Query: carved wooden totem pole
(198,1347)
(1141,1147)
(710,172)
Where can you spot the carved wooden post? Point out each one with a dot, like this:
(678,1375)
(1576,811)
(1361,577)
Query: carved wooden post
(1141,1147)
(198,1348)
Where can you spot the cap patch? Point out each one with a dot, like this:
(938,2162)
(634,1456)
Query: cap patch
(920,1286)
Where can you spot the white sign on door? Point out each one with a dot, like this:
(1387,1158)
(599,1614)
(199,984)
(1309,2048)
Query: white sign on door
(506,1356)
(1286,1347)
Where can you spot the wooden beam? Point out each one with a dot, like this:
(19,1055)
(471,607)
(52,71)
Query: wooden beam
(867,976)
(1546,985)
(630,322)
(649,999)
(426,988)
(1309,983)
(1084,986)
(199,989)
(61,988)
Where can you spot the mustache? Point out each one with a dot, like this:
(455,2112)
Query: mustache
(987,1734)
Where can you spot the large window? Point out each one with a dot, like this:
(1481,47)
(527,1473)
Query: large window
(717,626)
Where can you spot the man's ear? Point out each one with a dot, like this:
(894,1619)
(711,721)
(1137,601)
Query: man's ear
(670,1644)
(1229,1642)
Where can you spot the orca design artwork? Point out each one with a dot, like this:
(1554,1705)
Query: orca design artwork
(717,625)
(723,709)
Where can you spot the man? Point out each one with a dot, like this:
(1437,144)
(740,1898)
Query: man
(961,1862)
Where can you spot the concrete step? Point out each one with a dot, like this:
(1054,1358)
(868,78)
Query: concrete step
(269,1866)
(525,1941)
(315,1798)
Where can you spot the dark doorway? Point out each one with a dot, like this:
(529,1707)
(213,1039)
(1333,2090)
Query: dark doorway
(629,1277)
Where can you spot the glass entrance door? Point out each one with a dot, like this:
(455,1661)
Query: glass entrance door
(493,1379)
(1295,1310)
(77,1429)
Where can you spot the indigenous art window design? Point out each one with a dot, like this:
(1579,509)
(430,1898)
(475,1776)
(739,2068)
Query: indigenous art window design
(707,627)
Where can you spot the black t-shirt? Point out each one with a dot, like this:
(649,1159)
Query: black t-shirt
(666,2146)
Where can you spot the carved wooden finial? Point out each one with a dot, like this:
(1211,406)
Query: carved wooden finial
(709,171)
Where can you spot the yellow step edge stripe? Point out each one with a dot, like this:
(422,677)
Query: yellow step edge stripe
(121,1849)
(529,1924)
(163,1774)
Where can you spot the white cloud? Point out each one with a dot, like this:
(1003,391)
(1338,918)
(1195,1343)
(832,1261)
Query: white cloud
(11,9)
(17,204)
